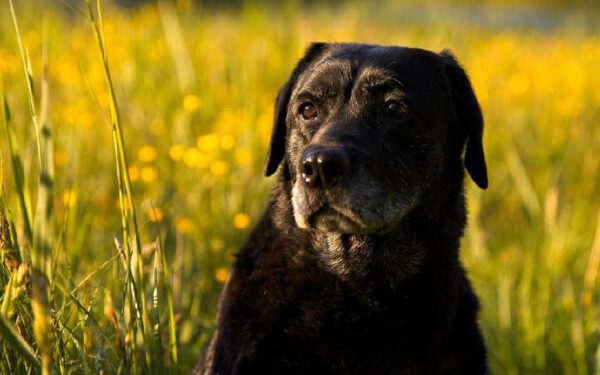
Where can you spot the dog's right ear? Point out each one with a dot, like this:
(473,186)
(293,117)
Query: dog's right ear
(469,117)
(276,151)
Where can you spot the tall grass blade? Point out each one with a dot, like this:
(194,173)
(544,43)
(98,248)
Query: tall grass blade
(131,238)
(591,271)
(17,167)
(41,318)
(83,309)
(28,77)
(160,365)
(174,37)
(43,226)
(43,234)
(9,245)
(522,182)
(166,278)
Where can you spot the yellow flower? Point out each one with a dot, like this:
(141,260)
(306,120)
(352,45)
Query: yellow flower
(69,198)
(265,124)
(219,168)
(217,243)
(184,225)
(227,121)
(8,62)
(227,142)
(176,152)
(148,174)
(85,119)
(60,158)
(241,221)
(103,100)
(155,214)
(208,143)
(519,84)
(195,158)
(134,173)
(222,274)
(191,103)
(147,154)
(243,156)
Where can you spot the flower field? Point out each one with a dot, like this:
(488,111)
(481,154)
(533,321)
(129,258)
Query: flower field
(132,143)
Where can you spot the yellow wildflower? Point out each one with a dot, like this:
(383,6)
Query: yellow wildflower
(228,121)
(208,143)
(155,214)
(195,158)
(184,225)
(243,156)
(217,243)
(69,198)
(222,274)
(85,119)
(265,124)
(60,158)
(219,168)
(148,174)
(126,201)
(8,62)
(518,84)
(147,154)
(176,152)
(241,221)
(103,100)
(191,103)
(134,173)
(227,142)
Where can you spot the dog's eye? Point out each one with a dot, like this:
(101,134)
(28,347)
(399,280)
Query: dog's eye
(394,109)
(308,111)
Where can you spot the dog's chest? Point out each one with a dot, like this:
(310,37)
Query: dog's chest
(315,304)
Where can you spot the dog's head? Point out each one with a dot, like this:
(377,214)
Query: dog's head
(366,130)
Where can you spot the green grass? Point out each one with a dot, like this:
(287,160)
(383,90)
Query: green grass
(131,151)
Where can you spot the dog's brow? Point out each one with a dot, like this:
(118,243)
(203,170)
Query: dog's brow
(324,79)
(375,79)
(318,90)
(309,94)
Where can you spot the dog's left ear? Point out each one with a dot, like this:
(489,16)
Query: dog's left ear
(469,118)
(276,151)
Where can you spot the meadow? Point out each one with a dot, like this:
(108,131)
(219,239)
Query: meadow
(132,143)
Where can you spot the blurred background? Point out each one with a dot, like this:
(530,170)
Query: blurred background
(130,241)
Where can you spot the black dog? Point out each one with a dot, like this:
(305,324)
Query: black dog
(354,267)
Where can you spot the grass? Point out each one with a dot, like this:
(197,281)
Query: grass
(132,141)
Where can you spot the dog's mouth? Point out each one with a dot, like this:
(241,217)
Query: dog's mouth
(324,214)
(328,218)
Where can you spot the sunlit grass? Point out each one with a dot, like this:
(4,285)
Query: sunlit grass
(118,223)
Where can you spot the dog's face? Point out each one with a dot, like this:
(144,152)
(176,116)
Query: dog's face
(366,130)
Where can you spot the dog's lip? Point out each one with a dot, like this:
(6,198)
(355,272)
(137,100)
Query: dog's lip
(331,209)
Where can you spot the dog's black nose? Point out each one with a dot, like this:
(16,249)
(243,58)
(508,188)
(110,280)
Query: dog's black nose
(324,167)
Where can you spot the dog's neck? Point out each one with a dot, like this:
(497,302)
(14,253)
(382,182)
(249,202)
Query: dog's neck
(393,257)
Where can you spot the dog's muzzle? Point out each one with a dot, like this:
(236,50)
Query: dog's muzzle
(323,168)
(316,198)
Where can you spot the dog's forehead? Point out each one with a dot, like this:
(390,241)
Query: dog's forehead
(368,65)
(326,75)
